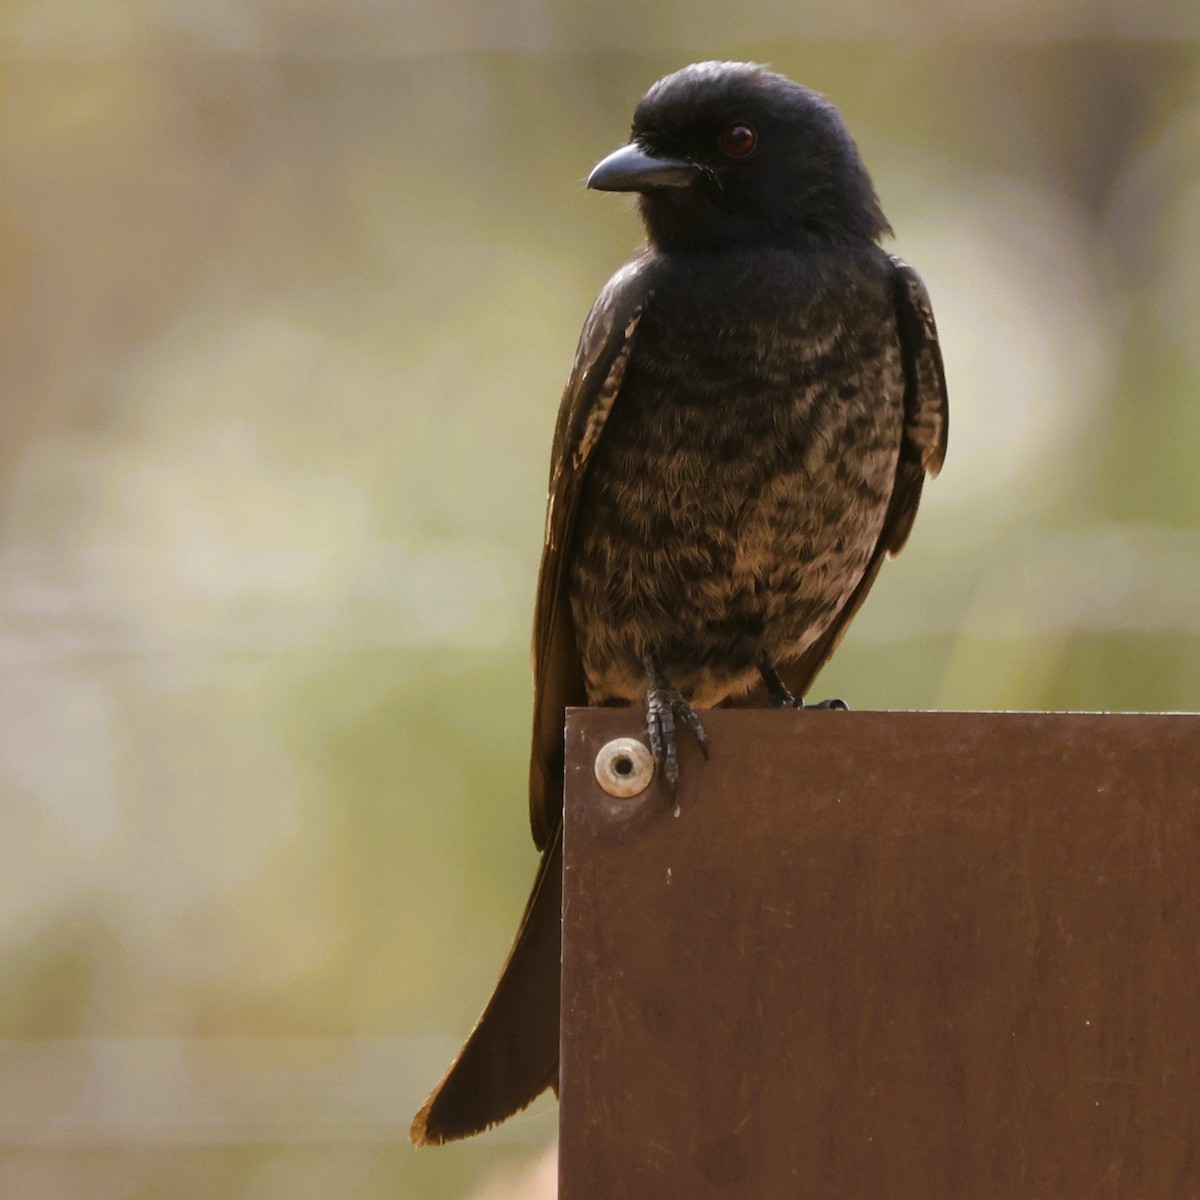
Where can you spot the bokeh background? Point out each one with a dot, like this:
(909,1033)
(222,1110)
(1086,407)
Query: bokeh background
(289,292)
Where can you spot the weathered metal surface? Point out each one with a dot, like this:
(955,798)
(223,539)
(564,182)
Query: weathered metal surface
(869,955)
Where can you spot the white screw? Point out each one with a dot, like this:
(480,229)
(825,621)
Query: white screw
(624,767)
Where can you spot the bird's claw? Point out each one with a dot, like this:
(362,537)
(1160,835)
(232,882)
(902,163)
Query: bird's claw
(831,705)
(664,706)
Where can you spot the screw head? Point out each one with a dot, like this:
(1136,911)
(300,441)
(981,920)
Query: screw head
(624,767)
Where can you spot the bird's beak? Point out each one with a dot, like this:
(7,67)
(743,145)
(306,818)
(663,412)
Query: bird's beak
(631,169)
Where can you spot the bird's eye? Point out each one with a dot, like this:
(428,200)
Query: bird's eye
(737,140)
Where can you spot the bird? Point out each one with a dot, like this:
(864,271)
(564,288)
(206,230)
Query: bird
(756,400)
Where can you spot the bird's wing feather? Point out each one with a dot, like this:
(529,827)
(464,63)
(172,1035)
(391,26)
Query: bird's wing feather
(926,405)
(922,451)
(558,683)
(512,1053)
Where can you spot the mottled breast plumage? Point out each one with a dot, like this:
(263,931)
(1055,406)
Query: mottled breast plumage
(739,487)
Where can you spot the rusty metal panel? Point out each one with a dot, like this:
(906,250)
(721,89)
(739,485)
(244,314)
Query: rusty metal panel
(869,955)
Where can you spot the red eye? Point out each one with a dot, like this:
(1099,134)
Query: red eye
(737,141)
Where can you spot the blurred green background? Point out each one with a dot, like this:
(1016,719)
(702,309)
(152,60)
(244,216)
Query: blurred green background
(289,292)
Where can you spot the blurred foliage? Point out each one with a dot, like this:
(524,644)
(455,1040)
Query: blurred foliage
(289,292)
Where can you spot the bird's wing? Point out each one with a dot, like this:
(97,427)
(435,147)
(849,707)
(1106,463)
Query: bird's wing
(922,451)
(512,1053)
(926,404)
(600,362)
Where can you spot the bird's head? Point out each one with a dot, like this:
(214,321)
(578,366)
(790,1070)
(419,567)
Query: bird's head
(731,153)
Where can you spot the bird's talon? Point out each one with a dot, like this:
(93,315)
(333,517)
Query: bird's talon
(654,729)
(664,704)
(697,732)
(671,768)
(687,715)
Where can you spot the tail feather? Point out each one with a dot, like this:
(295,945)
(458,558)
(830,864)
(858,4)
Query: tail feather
(511,1056)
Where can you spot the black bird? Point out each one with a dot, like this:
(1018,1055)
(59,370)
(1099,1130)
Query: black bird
(756,400)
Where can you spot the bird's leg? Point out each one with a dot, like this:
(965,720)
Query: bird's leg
(663,704)
(778,695)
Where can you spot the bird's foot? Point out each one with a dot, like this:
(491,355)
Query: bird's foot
(664,706)
(780,696)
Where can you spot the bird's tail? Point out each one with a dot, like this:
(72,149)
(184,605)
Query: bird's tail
(511,1056)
